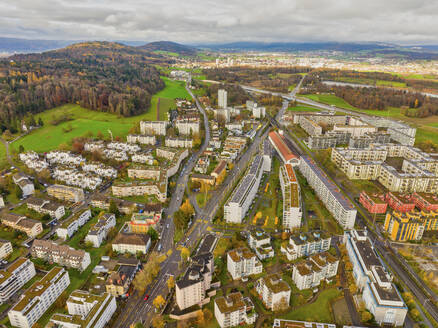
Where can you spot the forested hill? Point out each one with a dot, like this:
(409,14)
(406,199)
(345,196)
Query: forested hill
(169,46)
(101,76)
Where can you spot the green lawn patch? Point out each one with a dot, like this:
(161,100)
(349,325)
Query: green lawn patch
(3,160)
(302,108)
(330,99)
(319,311)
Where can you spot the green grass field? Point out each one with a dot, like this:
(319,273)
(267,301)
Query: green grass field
(330,99)
(394,84)
(302,108)
(49,137)
(319,311)
(3,160)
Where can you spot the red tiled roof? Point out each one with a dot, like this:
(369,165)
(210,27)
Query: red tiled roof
(281,146)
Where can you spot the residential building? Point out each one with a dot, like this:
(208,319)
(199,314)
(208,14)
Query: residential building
(5,248)
(400,202)
(60,254)
(424,201)
(274,292)
(310,272)
(374,203)
(219,172)
(149,216)
(98,232)
(38,298)
(2,202)
(338,205)
(284,323)
(70,194)
(242,262)
(30,227)
(119,281)
(283,150)
(222,98)
(379,294)
(203,178)
(104,202)
(290,188)
(178,142)
(234,310)
(131,243)
(192,288)
(23,181)
(153,127)
(188,126)
(69,226)
(45,206)
(238,204)
(86,310)
(14,277)
(142,139)
(306,244)
(140,188)
(260,242)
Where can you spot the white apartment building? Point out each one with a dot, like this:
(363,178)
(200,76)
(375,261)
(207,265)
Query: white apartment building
(242,262)
(131,243)
(143,157)
(159,189)
(260,242)
(191,288)
(38,298)
(100,169)
(5,248)
(399,131)
(290,188)
(32,160)
(70,194)
(142,139)
(153,127)
(188,126)
(178,142)
(99,231)
(74,177)
(338,205)
(309,273)
(73,223)
(60,254)
(2,202)
(222,97)
(234,310)
(284,323)
(117,155)
(238,204)
(306,244)
(14,277)
(64,158)
(24,183)
(379,294)
(123,146)
(274,292)
(86,310)
(46,206)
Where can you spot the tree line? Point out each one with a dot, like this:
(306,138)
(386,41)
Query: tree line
(100,76)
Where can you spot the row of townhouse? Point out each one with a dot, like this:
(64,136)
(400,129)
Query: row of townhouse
(310,272)
(418,171)
(38,298)
(117,155)
(143,139)
(76,178)
(69,226)
(33,161)
(306,244)
(86,310)
(104,202)
(5,248)
(260,242)
(242,263)
(24,183)
(123,146)
(233,310)
(64,158)
(66,193)
(405,226)
(14,277)
(238,204)
(143,157)
(233,147)
(30,227)
(100,169)
(379,294)
(46,206)
(60,254)
(290,188)
(338,205)
(99,231)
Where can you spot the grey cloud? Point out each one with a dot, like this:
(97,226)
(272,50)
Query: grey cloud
(404,21)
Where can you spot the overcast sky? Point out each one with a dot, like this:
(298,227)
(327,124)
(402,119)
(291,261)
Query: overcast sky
(195,21)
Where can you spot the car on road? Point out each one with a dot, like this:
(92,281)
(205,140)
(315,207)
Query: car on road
(146,297)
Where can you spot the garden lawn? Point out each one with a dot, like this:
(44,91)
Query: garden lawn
(49,136)
(319,311)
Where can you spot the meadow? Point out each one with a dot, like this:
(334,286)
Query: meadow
(301,108)
(86,121)
(3,160)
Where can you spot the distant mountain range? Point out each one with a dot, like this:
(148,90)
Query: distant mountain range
(366,49)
